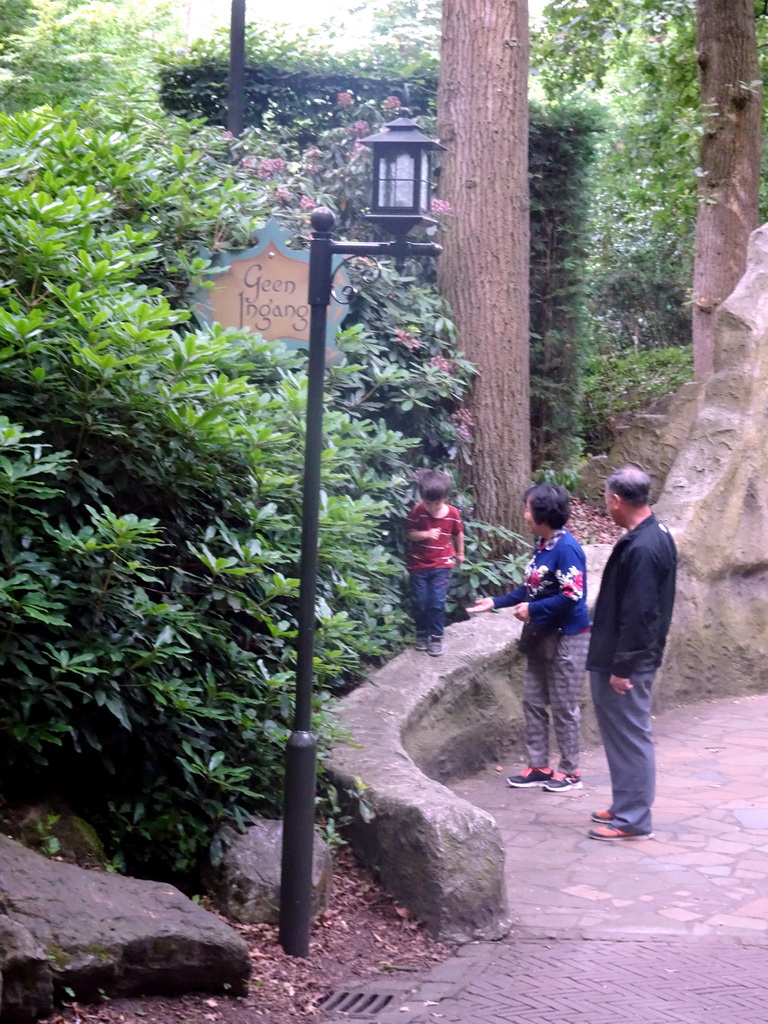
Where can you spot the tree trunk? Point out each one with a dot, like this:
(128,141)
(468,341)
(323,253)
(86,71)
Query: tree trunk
(483,120)
(731,96)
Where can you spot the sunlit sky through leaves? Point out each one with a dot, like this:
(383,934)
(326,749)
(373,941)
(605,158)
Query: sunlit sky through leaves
(206,15)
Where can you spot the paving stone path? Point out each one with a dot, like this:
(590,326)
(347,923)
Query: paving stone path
(673,929)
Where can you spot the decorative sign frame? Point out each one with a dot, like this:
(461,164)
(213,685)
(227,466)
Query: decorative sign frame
(265,289)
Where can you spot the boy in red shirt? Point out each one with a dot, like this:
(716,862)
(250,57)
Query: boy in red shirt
(435,535)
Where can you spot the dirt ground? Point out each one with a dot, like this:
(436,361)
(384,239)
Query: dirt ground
(592,526)
(363,934)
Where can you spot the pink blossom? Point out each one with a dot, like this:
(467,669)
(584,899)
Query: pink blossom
(345,99)
(392,103)
(441,363)
(410,341)
(283,195)
(463,423)
(314,158)
(269,168)
(440,206)
(359,128)
(306,203)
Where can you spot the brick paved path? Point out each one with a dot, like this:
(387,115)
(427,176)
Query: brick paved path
(669,931)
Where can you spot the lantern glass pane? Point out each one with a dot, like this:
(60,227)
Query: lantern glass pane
(424,198)
(396,181)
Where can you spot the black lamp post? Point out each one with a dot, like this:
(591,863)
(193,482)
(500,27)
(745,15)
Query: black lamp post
(236,79)
(401,196)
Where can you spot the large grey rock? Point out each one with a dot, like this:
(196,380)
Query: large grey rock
(245,885)
(422,721)
(716,500)
(120,935)
(26,979)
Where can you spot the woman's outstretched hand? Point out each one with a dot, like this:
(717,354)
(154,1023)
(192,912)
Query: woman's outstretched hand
(483,604)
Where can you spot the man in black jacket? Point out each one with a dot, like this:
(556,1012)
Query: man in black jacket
(632,616)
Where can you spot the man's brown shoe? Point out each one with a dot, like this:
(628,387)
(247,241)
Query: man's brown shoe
(612,833)
(601,817)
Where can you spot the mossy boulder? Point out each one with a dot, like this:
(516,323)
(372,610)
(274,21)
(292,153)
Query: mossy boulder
(52,829)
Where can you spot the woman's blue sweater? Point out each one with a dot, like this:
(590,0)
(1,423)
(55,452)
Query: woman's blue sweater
(555,585)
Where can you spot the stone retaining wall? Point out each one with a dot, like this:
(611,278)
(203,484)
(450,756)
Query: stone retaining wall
(421,721)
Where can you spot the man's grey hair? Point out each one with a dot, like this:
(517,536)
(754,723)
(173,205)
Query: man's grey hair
(631,484)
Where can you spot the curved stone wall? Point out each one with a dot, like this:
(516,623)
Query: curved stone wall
(421,720)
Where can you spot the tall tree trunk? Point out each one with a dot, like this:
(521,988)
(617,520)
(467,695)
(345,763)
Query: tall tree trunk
(731,95)
(483,120)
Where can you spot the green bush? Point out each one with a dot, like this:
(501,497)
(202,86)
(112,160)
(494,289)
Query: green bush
(152,474)
(616,386)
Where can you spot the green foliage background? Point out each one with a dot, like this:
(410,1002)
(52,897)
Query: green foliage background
(151,473)
(65,51)
(562,147)
(617,385)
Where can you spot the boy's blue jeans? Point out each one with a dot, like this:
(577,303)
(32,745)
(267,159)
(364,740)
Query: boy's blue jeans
(429,589)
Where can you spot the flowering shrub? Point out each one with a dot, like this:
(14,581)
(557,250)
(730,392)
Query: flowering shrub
(151,473)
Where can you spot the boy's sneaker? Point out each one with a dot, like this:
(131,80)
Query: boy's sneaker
(561,783)
(422,642)
(435,646)
(530,777)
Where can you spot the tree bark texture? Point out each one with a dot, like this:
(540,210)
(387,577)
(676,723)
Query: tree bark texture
(483,120)
(729,182)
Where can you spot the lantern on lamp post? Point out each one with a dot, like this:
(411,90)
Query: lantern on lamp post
(400,202)
(402,176)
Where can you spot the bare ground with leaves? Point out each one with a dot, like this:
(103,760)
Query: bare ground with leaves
(363,934)
(592,526)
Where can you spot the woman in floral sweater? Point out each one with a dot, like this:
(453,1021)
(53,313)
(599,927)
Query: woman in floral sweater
(552,597)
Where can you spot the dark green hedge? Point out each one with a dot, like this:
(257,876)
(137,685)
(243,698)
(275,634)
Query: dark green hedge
(303,100)
(562,142)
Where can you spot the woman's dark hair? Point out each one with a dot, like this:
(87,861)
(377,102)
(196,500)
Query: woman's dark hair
(550,505)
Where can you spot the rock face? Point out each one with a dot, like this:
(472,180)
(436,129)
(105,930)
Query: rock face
(652,440)
(120,935)
(26,979)
(716,501)
(245,886)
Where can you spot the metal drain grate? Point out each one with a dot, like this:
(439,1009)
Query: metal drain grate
(362,1004)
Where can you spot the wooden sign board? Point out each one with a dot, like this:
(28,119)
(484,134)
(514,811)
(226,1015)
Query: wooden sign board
(264,289)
